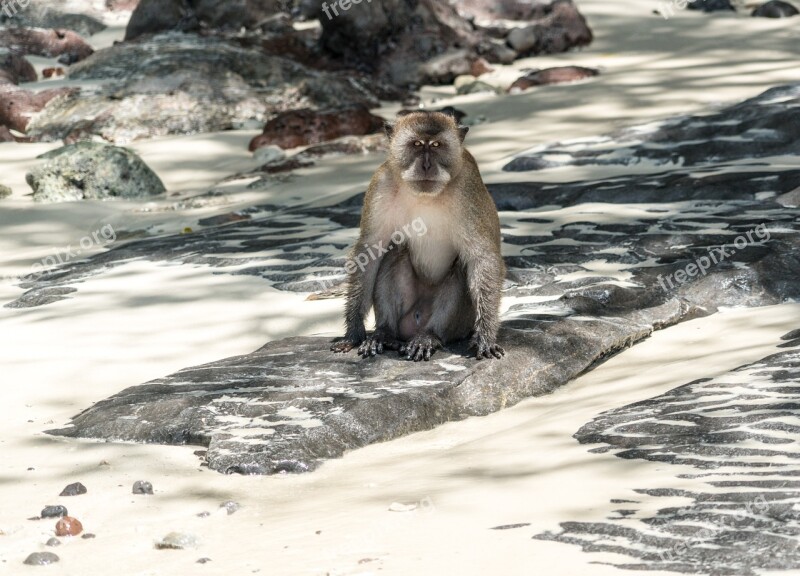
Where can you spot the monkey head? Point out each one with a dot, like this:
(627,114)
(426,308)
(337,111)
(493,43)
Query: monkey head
(426,149)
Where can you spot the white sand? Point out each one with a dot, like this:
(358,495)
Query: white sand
(145,320)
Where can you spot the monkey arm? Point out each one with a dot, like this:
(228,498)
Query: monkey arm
(485,273)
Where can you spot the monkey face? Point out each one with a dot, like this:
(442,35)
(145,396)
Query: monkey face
(426,148)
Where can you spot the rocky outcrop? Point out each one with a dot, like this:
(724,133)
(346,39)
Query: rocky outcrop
(92,171)
(739,431)
(68,46)
(182,84)
(303,127)
(408,44)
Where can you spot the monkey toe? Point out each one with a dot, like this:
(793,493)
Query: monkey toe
(342,347)
(420,348)
(485,350)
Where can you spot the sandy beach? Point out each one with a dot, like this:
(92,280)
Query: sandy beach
(144,320)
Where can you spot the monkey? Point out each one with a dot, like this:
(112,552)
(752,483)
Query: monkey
(428,255)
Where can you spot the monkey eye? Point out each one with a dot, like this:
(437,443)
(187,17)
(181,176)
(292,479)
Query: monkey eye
(435,144)
(418,143)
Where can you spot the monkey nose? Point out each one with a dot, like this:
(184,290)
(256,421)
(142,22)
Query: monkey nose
(426,162)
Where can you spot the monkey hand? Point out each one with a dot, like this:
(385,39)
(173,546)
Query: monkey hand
(351,340)
(420,347)
(486,349)
(376,343)
(343,346)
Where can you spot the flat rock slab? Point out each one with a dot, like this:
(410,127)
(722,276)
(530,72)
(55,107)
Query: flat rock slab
(741,431)
(584,281)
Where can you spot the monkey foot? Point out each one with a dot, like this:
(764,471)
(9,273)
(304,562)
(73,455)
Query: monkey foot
(342,347)
(485,350)
(420,347)
(376,344)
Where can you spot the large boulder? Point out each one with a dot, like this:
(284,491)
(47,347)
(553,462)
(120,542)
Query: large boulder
(15,68)
(18,106)
(92,171)
(184,83)
(155,16)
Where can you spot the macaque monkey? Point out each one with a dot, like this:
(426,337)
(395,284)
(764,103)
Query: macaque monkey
(428,256)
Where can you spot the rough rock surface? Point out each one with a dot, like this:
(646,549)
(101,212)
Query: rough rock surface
(18,106)
(15,68)
(155,16)
(604,275)
(303,127)
(547,76)
(49,14)
(756,128)
(740,431)
(183,84)
(92,171)
(68,46)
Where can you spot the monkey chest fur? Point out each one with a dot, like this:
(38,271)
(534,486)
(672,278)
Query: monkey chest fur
(426,228)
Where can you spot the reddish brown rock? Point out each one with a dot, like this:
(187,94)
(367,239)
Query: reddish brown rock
(53,72)
(18,106)
(14,68)
(6,135)
(68,526)
(479,67)
(306,126)
(67,45)
(556,75)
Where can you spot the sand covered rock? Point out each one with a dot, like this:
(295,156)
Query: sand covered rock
(92,171)
(765,125)
(737,430)
(185,84)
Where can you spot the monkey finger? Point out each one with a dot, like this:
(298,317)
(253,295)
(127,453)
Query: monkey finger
(498,351)
(427,354)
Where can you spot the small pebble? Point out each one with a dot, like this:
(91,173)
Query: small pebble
(88,536)
(400,507)
(510,526)
(204,514)
(142,487)
(73,490)
(41,559)
(204,560)
(54,512)
(177,541)
(53,542)
(68,526)
(230,506)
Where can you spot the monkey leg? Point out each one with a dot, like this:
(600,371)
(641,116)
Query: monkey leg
(395,290)
(441,314)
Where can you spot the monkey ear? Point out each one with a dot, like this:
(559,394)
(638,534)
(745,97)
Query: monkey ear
(388,127)
(462,132)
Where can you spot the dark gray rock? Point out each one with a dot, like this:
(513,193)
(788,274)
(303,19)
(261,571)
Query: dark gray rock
(41,559)
(90,170)
(756,128)
(711,5)
(740,430)
(53,542)
(775,9)
(142,487)
(54,512)
(74,489)
(185,84)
